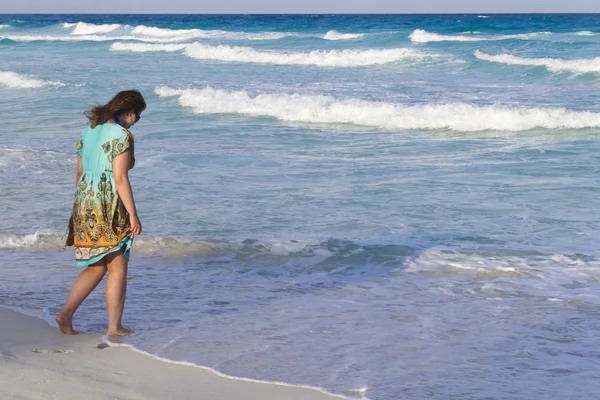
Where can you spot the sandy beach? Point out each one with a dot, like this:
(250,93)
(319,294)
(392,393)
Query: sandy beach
(39,362)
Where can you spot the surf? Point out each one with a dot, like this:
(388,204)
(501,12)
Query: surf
(324,109)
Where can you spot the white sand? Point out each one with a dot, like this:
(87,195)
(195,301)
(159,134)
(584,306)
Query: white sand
(39,362)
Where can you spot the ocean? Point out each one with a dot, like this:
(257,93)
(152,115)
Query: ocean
(382,206)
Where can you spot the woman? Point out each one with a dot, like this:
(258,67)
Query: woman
(104,217)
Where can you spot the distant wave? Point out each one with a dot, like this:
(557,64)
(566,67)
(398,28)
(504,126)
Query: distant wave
(83,28)
(422,36)
(147,47)
(383,115)
(482,16)
(15,80)
(4,26)
(88,38)
(586,33)
(92,32)
(334,35)
(187,34)
(57,38)
(321,58)
(163,32)
(164,35)
(581,66)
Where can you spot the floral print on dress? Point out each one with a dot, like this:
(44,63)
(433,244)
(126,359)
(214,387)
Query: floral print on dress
(100,219)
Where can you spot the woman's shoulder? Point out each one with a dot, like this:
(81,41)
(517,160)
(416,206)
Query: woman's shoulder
(108,129)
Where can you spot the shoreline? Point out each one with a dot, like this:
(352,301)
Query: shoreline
(38,361)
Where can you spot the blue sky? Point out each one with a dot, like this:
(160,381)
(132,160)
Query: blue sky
(302,6)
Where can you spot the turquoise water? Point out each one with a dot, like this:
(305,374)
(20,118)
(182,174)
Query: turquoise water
(390,206)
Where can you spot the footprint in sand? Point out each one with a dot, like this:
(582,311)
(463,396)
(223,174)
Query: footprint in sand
(51,351)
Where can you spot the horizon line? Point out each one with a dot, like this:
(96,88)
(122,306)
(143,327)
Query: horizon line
(321,14)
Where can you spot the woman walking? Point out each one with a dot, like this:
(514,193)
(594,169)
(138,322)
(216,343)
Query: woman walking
(104,217)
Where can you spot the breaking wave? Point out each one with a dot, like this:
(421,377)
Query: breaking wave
(147,47)
(83,28)
(169,247)
(57,38)
(580,66)
(187,34)
(422,36)
(83,31)
(321,58)
(334,35)
(15,80)
(381,115)
(155,34)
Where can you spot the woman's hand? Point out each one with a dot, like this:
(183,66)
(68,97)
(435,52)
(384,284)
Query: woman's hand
(136,225)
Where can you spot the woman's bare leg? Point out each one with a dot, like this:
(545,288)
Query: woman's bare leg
(86,281)
(116,289)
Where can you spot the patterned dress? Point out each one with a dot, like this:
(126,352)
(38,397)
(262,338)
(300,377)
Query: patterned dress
(99,221)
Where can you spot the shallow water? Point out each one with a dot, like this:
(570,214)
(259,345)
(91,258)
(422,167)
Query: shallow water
(407,211)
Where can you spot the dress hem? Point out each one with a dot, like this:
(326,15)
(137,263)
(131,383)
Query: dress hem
(124,244)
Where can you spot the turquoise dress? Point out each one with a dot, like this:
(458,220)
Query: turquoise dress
(100,222)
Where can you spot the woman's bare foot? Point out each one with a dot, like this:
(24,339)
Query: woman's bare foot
(65,324)
(120,331)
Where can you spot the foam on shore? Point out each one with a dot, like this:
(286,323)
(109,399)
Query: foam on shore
(90,368)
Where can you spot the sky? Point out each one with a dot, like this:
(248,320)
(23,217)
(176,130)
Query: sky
(301,6)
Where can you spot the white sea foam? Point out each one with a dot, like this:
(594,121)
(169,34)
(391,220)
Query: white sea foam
(172,33)
(42,240)
(551,270)
(90,38)
(15,80)
(188,34)
(441,259)
(586,33)
(4,26)
(57,38)
(146,47)
(332,58)
(167,247)
(422,36)
(382,115)
(83,28)
(552,64)
(334,35)
(109,341)
(83,31)
(482,16)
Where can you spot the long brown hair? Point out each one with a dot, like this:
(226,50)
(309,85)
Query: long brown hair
(123,102)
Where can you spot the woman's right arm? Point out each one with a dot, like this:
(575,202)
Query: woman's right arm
(121,176)
(79,170)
